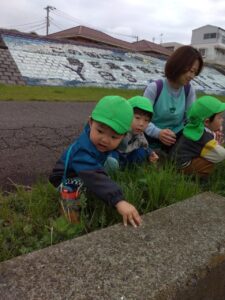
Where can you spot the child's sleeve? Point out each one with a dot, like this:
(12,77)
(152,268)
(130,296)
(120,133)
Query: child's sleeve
(213,152)
(89,168)
(100,184)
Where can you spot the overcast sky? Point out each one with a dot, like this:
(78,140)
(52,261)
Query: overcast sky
(154,20)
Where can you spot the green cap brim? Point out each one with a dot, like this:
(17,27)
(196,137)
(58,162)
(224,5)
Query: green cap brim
(142,103)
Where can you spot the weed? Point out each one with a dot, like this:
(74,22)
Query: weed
(30,220)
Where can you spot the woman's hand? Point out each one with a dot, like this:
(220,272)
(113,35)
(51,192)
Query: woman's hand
(167,137)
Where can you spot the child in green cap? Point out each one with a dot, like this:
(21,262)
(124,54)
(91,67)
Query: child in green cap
(134,147)
(198,150)
(83,161)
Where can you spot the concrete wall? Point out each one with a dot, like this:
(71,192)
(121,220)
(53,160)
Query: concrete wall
(44,62)
(9,73)
(177,254)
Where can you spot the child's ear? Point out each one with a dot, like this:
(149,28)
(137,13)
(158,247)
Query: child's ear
(90,121)
(207,122)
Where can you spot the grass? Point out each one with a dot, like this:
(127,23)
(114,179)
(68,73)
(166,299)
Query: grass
(30,219)
(51,93)
(55,93)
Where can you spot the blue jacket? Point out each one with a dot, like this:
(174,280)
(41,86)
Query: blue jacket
(87,163)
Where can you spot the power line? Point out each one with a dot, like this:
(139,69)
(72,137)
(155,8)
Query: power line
(27,24)
(67,16)
(37,28)
(59,27)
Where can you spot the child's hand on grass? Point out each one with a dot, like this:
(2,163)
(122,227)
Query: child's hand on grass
(153,157)
(129,213)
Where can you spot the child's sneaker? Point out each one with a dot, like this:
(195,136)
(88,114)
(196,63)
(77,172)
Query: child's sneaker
(69,199)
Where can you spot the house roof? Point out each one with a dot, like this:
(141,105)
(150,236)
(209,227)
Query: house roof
(17,33)
(69,36)
(208,25)
(96,35)
(146,46)
(91,34)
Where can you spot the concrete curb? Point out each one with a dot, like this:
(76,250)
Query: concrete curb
(178,253)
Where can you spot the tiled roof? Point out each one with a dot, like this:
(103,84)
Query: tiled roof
(17,32)
(88,43)
(95,35)
(70,35)
(91,34)
(146,46)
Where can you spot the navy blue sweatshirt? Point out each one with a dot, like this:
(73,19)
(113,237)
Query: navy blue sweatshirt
(87,163)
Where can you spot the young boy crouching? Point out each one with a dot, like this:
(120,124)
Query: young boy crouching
(83,162)
(134,147)
(197,150)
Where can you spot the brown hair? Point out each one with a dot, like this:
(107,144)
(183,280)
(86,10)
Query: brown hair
(181,61)
(212,117)
(143,112)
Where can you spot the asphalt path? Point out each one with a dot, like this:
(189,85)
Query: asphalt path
(33,135)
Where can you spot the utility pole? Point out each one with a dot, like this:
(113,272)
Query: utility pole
(48,8)
(161,40)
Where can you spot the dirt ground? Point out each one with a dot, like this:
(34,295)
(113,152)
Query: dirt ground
(33,135)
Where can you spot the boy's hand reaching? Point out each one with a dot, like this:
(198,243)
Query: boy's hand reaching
(129,213)
(153,157)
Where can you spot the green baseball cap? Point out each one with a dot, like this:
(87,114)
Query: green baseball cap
(114,111)
(201,109)
(141,103)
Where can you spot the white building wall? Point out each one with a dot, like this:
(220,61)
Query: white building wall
(198,35)
(208,46)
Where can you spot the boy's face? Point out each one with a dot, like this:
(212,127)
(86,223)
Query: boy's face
(139,123)
(103,137)
(216,123)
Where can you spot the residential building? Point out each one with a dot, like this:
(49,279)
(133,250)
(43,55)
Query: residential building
(172,46)
(210,41)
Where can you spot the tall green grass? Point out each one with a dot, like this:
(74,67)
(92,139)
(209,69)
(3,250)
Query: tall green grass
(30,219)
